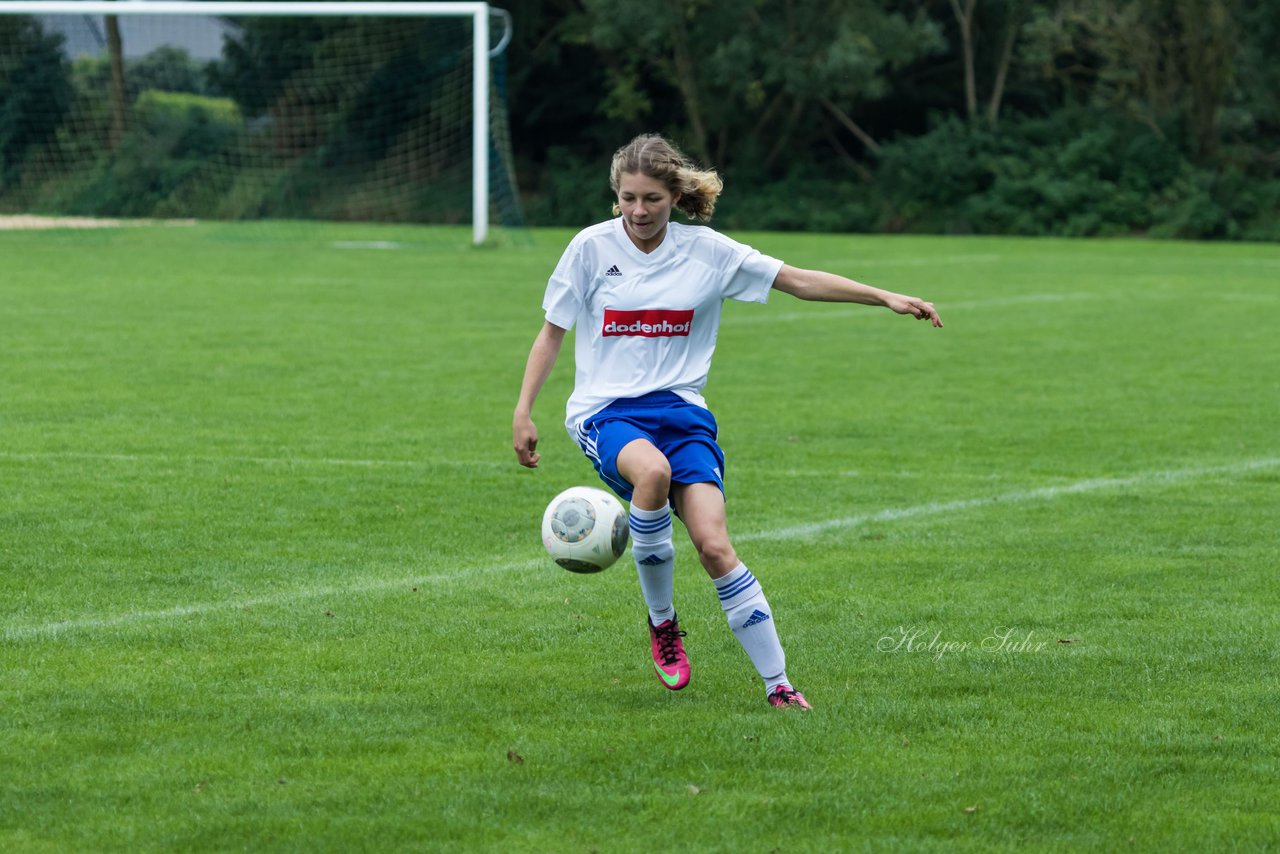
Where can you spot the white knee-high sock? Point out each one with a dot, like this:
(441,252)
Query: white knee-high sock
(751,619)
(655,558)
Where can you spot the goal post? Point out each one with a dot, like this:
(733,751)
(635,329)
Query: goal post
(479,14)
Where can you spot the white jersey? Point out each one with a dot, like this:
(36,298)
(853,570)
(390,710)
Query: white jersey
(648,323)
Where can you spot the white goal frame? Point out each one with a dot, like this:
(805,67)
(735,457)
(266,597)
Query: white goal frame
(478,12)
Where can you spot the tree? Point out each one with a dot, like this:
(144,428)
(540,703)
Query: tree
(1166,63)
(1007,21)
(35,90)
(1255,122)
(755,79)
(964,17)
(119,104)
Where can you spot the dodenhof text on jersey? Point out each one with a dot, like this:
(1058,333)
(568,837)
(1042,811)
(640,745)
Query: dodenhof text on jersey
(649,323)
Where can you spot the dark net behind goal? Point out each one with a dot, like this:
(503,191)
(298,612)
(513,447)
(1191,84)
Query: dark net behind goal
(327,118)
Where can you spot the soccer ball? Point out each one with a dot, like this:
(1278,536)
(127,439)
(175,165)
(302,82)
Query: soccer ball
(585,529)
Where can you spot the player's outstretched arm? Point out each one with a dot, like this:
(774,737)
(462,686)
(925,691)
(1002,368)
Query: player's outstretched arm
(818,286)
(542,357)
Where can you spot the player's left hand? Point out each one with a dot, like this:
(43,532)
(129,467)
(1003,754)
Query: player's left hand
(917,308)
(525,442)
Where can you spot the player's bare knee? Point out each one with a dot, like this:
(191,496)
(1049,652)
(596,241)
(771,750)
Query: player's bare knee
(717,555)
(653,474)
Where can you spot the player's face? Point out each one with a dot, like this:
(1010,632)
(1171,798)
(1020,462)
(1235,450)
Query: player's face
(646,208)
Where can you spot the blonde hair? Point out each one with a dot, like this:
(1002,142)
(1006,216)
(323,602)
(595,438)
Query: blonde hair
(653,156)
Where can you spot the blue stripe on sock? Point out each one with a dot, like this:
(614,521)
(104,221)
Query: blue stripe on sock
(641,529)
(737,587)
(661,520)
(650,515)
(649,527)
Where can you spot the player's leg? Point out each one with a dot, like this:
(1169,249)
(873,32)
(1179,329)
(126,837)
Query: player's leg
(646,469)
(628,461)
(648,472)
(702,510)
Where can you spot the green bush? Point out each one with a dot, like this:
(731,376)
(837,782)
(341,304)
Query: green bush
(575,190)
(1231,205)
(168,150)
(1074,173)
(804,200)
(166,68)
(159,109)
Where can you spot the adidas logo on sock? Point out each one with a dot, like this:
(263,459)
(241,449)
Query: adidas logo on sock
(613,271)
(651,560)
(757,617)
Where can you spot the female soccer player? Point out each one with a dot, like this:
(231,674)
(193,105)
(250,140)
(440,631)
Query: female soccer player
(645,294)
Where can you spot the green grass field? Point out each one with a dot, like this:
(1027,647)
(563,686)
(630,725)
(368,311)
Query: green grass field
(270,578)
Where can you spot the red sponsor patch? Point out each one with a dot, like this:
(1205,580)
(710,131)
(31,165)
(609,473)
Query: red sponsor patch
(650,323)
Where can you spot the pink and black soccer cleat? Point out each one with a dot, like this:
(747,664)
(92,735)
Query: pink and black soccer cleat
(784,697)
(669,661)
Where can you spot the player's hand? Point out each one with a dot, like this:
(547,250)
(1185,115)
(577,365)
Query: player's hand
(525,441)
(917,308)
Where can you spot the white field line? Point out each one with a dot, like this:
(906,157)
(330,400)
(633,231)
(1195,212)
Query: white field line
(367,244)
(867,262)
(1025,299)
(260,461)
(848,312)
(19,633)
(1260,297)
(1250,262)
(1048,493)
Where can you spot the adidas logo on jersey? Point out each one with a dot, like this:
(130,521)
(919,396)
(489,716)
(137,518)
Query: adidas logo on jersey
(757,617)
(613,271)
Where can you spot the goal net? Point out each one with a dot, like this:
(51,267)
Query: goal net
(357,111)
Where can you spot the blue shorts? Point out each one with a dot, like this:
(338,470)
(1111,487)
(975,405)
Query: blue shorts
(683,432)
